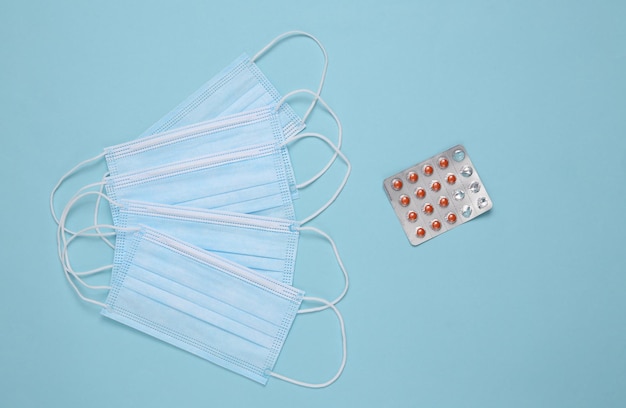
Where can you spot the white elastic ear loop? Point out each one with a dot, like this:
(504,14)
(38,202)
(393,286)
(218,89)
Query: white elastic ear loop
(64,177)
(66,261)
(97,210)
(341,266)
(337,152)
(69,273)
(101,194)
(81,190)
(339,132)
(324,70)
(62,229)
(63,249)
(84,233)
(344,351)
(62,241)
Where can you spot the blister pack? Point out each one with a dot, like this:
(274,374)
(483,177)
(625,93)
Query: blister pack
(437,195)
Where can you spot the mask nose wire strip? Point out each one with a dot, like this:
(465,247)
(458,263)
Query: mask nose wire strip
(64,177)
(343,182)
(341,266)
(288,34)
(339,132)
(344,350)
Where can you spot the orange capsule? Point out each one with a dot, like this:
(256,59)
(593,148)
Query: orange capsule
(443,162)
(396,184)
(435,186)
(412,177)
(435,225)
(420,232)
(420,193)
(451,218)
(404,200)
(428,209)
(443,201)
(412,216)
(451,178)
(428,170)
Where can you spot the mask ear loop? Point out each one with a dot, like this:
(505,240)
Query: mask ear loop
(99,184)
(339,132)
(65,177)
(344,350)
(63,241)
(97,210)
(66,260)
(81,190)
(288,34)
(337,152)
(341,266)
(69,273)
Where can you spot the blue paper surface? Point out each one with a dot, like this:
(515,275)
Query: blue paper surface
(521,307)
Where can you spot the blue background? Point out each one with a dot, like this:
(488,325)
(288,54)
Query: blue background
(522,307)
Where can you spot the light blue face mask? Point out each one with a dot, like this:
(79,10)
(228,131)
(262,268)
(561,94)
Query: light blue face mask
(266,245)
(207,305)
(251,180)
(250,128)
(239,87)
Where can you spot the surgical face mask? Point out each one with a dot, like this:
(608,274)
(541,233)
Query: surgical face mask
(266,245)
(251,180)
(242,130)
(263,244)
(250,128)
(207,305)
(239,87)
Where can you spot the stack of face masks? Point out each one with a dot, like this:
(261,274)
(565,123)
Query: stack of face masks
(205,228)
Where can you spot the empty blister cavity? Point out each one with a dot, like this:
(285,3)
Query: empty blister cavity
(458,155)
(474,187)
(467,171)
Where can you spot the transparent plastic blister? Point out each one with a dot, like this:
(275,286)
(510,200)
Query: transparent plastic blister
(437,194)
